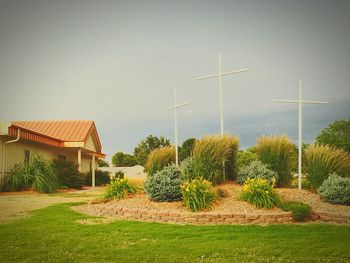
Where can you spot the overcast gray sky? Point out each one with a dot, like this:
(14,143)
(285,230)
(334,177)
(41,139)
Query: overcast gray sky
(117,62)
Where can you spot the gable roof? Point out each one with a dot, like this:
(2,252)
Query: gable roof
(50,132)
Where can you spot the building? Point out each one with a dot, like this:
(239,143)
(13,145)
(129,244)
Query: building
(132,172)
(76,141)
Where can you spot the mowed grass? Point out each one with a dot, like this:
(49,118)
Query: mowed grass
(54,235)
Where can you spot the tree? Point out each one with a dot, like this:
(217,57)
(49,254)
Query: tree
(143,149)
(121,159)
(185,150)
(102,163)
(336,134)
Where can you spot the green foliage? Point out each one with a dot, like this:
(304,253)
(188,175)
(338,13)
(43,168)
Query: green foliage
(146,146)
(322,160)
(197,194)
(256,169)
(244,158)
(305,183)
(186,149)
(68,174)
(335,190)
(36,174)
(119,188)
(260,192)
(187,169)
(101,177)
(102,163)
(164,186)
(209,156)
(121,159)
(300,211)
(336,134)
(278,152)
(119,174)
(159,158)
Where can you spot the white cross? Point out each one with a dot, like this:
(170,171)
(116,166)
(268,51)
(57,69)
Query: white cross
(220,75)
(300,102)
(175,120)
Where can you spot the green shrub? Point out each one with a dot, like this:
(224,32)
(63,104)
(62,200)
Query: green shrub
(68,174)
(197,194)
(164,186)
(209,156)
(260,192)
(305,183)
(119,189)
(336,190)
(300,211)
(244,158)
(256,169)
(187,169)
(159,158)
(101,177)
(278,152)
(119,174)
(322,160)
(37,174)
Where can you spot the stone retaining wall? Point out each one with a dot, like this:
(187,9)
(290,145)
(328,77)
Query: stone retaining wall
(198,218)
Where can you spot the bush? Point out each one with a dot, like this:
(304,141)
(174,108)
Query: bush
(68,174)
(197,194)
(305,183)
(278,152)
(244,158)
(256,169)
(119,189)
(260,193)
(164,186)
(209,156)
(322,160)
(101,177)
(336,190)
(159,158)
(119,174)
(187,168)
(300,211)
(36,174)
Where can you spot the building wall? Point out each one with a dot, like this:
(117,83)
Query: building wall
(15,153)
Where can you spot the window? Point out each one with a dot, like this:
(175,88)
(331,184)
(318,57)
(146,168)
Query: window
(26,156)
(61,157)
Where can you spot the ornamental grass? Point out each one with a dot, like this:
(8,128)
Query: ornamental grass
(159,158)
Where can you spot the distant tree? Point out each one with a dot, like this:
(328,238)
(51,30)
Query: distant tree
(102,163)
(121,159)
(336,134)
(185,150)
(143,149)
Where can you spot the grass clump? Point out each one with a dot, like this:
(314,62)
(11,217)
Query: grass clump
(300,211)
(164,185)
(335,190)
(211,153)
(37,174)
(260,193)
(119,188)
(278,152)
(159,158)
(322,160)
(256,169)
(197,194)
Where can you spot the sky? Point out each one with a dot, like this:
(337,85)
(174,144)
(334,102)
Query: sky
(117,63)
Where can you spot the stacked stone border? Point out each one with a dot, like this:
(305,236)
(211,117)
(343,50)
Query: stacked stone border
(206,218)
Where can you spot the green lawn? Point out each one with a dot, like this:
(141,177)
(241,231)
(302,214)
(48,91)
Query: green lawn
(53,235)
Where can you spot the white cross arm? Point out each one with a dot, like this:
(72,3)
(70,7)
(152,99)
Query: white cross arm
(222,74)
(302,101)
(176,106)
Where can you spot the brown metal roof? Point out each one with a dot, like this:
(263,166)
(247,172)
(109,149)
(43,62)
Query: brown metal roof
(61,131)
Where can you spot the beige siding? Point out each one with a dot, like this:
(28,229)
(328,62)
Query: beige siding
(15,153)
(90,145)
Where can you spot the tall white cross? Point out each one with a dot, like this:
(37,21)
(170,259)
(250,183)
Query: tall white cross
(175,120)
(220,75)
(300,103)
